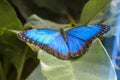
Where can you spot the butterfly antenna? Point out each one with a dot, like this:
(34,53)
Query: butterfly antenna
(72,21)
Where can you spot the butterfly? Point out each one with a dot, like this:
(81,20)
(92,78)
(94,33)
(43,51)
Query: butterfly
(64,44)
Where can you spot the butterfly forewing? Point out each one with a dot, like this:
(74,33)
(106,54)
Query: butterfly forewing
(87,32)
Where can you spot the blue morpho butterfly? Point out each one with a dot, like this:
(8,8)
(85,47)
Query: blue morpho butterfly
(64,44)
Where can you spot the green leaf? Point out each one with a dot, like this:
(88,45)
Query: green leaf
(14,53)
(2,76)
(36,74)
(36,22)
(8,18)
(93,65)
(8,21)
(92,9)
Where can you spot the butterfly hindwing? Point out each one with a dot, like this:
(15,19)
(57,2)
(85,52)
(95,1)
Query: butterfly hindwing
(75,45)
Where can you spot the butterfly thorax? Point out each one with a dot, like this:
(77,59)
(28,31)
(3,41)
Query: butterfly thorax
(63,34)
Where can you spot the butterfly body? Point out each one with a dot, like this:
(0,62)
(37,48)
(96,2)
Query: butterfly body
(64,44)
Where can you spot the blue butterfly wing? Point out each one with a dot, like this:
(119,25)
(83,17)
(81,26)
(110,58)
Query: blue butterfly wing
(75,46)
(79,38)
(75,43)
(49,40)
(87,32)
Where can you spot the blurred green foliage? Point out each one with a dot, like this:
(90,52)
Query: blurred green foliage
(17,60)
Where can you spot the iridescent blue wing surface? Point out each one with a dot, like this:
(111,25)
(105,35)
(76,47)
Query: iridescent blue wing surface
(79,38)
(49,40)
(65,44)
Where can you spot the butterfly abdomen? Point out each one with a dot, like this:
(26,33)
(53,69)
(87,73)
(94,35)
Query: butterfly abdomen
(63,34)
